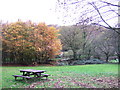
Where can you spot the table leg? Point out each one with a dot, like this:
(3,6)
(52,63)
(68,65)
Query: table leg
(28,73)
(15,78)
(34,75)
(23,73)
(38,74)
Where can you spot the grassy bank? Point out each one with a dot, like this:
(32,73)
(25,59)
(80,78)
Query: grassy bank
(80,76)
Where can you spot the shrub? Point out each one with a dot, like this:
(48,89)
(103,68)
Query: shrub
(92,61)
(62,63)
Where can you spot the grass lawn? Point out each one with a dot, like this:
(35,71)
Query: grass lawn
(80,76)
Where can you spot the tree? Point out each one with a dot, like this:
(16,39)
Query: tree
(116,29)
(16,42)
(115,40)
(97,11)
(45,41)
(0,42)
(71,38)
(104,45)
(27,42)
(77,38)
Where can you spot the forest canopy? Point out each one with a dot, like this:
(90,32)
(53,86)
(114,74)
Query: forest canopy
(28,42)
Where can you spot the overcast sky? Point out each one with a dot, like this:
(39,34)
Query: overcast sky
(34,10)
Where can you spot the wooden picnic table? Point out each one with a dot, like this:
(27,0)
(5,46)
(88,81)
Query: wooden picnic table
(28,72)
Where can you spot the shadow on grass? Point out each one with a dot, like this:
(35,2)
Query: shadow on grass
(30,81)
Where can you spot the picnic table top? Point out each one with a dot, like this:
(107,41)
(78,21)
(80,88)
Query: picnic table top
(31,70)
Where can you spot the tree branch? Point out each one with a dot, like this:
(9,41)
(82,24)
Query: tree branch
(115,29)
(109,3)
(109,27)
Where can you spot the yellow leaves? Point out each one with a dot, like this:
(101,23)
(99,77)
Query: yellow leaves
(52,28)
(39,49)
(36,29)
(18,26)
(26,35)
(58,34)
(19,36)
(18,45)
(32,27)
(14,38)
(41,24)
(4,33)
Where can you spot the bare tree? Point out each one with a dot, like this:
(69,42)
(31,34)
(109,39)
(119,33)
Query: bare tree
(71,38)
(105,47)
(79,39)
(116,29)
(116,43)
(100,12)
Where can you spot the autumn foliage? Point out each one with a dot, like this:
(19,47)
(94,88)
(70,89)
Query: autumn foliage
(27,42)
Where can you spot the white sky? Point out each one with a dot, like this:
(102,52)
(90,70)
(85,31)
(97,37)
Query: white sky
(109,16)
(34,10)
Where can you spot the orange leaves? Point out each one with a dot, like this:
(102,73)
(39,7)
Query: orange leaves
(47,40)
(19,36)
(28,36)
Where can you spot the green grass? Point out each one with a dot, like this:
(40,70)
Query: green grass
(80,76)
(114,61)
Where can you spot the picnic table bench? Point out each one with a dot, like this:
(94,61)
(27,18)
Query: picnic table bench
(28,72)
(21,76)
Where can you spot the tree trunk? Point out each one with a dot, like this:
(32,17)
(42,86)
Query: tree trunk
(107,57)
(118,58)
(74,55)
(79,56)
(89,55)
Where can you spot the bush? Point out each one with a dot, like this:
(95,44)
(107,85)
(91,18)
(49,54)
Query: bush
(92,61)
(114,61)
(62,63)
(78,62)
